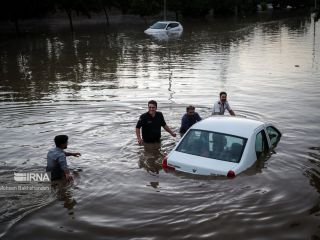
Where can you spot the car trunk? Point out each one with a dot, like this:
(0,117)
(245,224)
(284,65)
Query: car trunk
(199,165)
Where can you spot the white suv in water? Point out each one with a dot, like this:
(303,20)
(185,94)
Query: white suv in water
(164,27)
(222,146)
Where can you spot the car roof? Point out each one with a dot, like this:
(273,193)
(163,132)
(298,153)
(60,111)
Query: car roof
(238,126)
(166,22)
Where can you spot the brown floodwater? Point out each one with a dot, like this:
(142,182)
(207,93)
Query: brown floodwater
(94,85)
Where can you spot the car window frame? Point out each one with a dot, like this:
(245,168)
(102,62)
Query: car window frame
(266,141)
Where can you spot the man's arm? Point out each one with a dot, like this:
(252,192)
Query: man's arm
(139,125)
(184,125)
(198,117)
(140,141)
(63,165)
(231,112)
(72,154)
(166,127)
(216,109)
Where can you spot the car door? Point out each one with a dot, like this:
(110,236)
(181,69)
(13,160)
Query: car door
(261,144)
(274,135)
(172,26)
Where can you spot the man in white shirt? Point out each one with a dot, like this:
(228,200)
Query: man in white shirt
(220,106)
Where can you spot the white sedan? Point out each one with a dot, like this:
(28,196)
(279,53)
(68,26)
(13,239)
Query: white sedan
(164,27)
(222,146)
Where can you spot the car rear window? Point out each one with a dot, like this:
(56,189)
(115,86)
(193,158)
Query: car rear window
(213,145)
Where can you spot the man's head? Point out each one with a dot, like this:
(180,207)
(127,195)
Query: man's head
(152,107)
(190,110)
(223,97)
(61,141)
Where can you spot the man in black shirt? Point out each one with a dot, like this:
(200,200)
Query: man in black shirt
(151,123)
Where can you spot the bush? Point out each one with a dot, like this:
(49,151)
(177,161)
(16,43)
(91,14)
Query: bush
(264,6)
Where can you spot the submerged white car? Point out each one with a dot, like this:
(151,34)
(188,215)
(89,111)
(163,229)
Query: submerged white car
(222,146)
(164,27)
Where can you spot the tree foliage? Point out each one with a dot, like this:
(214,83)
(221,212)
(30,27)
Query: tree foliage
(145,8)
(199,8)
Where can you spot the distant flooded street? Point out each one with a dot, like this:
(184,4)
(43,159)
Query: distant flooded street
(94,85)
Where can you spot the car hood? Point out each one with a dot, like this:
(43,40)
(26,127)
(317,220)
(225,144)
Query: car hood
(200,165)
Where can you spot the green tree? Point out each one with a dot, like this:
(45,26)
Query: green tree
(224,7)
(145,8)
(123,5)
(17,10)
(77,6)
(247,7)
(192,8)
(100,5)
(106,6)
(175,6)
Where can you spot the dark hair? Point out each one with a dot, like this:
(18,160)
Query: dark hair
(153,102)
(60,139)
(190,107)
(223,93)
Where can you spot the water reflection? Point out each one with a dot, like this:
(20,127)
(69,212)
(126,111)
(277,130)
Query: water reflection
(315,48)
(166,36)
(60,65)
(150,158)
(51,65)
(313,173)
(64,193)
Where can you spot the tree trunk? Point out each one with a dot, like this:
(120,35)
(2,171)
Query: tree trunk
(16,24)
(107,16)
(69,12)
(145,19)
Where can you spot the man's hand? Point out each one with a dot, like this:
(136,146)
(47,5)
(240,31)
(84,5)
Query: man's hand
(76,154)
(173,134)
(72,154)
(140,141)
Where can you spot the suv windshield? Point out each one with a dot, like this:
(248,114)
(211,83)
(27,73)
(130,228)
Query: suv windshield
(158,26)
(213,145)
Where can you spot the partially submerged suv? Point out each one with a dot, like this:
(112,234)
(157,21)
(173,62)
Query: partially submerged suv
(164,27)
(222,146)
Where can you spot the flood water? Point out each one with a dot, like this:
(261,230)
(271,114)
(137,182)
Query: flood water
(93,87)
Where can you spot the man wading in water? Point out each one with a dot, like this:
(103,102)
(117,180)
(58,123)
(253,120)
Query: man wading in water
(56,159)
(151,123)
(220,106)
(188,119)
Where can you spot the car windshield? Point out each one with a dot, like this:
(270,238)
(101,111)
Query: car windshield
(158,26)
(213,145)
